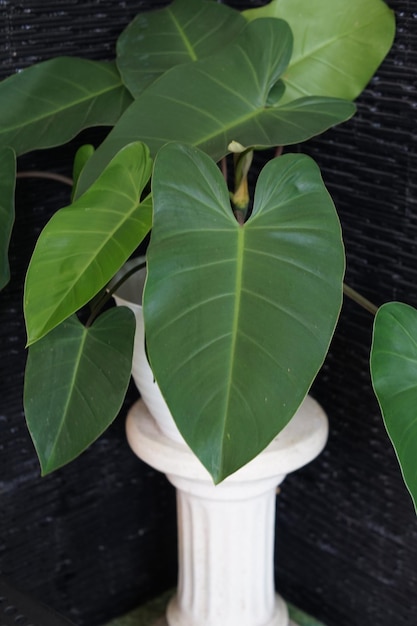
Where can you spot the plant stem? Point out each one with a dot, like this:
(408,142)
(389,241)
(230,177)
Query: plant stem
(356,297)
(108,293)
(223,166)
(50,175)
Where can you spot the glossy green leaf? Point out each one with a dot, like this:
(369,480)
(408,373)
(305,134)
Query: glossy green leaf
(7,185)
(338,44)
(239,318)
(49,103)
(86,243)
(75,383)
(183,32)
(222,98)
(394,377)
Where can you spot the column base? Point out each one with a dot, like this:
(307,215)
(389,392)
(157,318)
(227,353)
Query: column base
(175,615)
(151,614)
(162,621)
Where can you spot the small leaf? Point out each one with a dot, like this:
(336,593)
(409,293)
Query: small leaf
(75,383)
(225,97)
(394,377)
(338,45)
(7,186)
(86,243)
(81,157)
(183,32)
(238,326)
(49,103)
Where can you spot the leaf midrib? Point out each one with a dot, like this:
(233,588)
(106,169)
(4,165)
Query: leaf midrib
(74,103)
(71,386)
(328,43)
(256,115)
(234,333)
(189,48)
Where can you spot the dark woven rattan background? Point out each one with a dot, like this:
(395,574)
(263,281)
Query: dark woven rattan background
(98,536)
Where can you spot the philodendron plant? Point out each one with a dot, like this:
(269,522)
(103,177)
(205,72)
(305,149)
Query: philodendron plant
(242,297)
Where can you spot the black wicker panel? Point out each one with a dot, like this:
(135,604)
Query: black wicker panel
(98,536)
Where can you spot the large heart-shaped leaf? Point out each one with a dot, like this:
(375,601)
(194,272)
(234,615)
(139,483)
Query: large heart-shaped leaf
(338,45)
(7,185)
(86,243)
(185,31)
(239,318)
(394,377)
(49,103)
(75,383)
(233,95)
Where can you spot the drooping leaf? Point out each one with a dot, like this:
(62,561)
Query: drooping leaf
(49,103)
(7,185)
(338,45)
(76,379)
(86,243)
(222,98)
(239,318)
(183,32)
(394,377)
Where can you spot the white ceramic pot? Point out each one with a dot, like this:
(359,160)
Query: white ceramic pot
(130,295)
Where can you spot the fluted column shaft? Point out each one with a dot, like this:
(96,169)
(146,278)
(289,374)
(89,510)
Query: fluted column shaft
(226,547)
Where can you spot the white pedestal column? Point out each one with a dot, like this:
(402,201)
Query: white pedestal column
(226,532)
